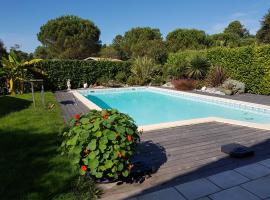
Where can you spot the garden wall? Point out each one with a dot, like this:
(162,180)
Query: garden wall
(250,65)
(79,72)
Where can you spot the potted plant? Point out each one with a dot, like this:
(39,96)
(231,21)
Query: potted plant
(101,144)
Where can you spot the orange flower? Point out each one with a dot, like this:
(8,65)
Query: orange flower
(129,138)
(84,167)
(77,116)
(77,124)
(119,154)
(105,116)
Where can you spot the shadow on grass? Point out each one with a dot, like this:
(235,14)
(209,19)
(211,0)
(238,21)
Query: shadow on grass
(10,104)
(30,166)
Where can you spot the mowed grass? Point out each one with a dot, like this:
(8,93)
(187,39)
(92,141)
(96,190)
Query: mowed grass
(30,165)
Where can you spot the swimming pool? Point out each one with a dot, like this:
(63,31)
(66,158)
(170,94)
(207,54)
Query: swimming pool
(149,105)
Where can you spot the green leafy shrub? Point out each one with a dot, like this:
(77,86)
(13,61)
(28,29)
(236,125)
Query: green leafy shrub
(121,77)
(142,70)
(101,143)
(250,64)
(79,71)
(197,68)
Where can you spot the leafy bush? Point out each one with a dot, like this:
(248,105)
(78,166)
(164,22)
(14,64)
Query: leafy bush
(250,64)
(142,70)
(79,71)
(187,64)
(101,143)
(231,86)
(184,84)
(121,77)
(216,76)
(197,68)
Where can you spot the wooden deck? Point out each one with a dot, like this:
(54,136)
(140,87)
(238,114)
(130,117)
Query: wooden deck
(190,152)
(183,153)
(70,106)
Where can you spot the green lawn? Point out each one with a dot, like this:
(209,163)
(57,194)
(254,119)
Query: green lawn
(30,165)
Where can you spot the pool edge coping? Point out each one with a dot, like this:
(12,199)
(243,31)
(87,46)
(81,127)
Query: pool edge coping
(93,106)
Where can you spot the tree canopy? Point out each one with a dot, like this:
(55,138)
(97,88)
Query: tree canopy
(235,27)
(263,34)
(141,41)
(3,51)
(70,37)
(181,39)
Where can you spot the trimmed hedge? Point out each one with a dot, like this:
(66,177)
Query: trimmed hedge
(79,72)
(250,65)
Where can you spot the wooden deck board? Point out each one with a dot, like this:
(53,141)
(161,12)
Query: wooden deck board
(198,156)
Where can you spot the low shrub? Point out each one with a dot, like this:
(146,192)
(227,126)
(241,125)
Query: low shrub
(184,84)
(101,143)
(197,67)
(216,76)
(250,64)
(232,87)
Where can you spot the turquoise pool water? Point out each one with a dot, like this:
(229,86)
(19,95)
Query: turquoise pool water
(148,106)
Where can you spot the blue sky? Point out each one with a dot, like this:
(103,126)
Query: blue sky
(20,20)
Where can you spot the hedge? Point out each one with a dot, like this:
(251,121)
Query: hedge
(79,72)
(250,65)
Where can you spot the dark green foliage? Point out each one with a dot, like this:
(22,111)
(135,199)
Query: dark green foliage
(141,41)
(263,34)
(226,40)
(42,53)
(101,143)
(179,64)
(182,39)
(109,52)
(70,37)
(3,51)
(78,71)
(236,28)
(197,67)
(250,65)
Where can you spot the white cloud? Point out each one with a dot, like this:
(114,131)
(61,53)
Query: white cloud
(247,19)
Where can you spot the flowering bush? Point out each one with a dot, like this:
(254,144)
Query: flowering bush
(101,143)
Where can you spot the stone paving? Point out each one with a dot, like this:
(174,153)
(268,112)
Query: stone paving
(250,182)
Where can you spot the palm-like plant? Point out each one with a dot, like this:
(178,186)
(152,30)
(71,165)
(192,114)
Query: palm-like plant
(143,69)
(14,69)
(197,68)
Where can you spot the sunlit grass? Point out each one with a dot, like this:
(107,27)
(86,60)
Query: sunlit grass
(30,164)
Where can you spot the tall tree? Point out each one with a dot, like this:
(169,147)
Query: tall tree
(237,28)
(109,52)
(21,55)
(263,34)
(42,53)
(3,51)
(226,39)
(181,39)
(139,42)
(70,37)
